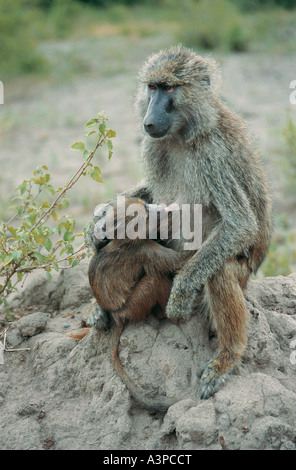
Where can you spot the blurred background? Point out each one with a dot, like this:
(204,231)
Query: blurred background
(63,61)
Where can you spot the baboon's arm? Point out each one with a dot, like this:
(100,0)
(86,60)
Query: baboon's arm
(236,230)
(141,191)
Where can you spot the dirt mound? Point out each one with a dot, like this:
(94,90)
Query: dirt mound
(64,394)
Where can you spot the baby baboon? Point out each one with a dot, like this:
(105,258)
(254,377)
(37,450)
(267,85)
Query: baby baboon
(196,150)
(130,278)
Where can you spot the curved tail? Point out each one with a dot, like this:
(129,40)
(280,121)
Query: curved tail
(147,403)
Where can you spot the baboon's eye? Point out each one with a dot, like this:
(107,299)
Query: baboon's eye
(169,88)
(152,87)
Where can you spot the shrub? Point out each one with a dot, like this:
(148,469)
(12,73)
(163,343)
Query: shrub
(39,235)
(18,38)
(214,25)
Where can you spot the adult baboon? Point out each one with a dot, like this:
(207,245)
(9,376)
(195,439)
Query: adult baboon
(196,150)
(130,277)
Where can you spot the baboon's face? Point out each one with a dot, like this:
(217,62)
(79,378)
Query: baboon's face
(160,113)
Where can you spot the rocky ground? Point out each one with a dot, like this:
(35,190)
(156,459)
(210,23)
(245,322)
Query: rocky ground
(62,393)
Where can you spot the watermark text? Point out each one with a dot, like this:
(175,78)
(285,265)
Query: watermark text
(150,221)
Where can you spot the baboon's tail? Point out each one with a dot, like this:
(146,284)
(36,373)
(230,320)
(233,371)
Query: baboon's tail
(147,403)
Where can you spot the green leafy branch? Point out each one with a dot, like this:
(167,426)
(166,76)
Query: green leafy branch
(40,235)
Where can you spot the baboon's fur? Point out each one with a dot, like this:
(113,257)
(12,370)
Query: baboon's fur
(129,279)
(208,157)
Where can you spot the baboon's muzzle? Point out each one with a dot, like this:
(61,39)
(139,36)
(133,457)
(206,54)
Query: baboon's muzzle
(157,120)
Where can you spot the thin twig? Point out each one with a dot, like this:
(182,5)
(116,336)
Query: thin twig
(12,349)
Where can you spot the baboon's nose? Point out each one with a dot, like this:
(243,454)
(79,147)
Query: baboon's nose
(149,127)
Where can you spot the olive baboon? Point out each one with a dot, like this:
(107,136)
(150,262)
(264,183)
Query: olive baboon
(196,150)
(129,279)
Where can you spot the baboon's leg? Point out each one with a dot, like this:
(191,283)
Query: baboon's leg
(142,299)
(164,290)
(227,307)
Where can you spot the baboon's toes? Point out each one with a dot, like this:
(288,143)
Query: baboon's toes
(98,318)
(211,381)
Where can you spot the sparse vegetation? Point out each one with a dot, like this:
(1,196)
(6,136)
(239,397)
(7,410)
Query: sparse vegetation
(226,25)
(281,257)
(40,235)
(214,25)
(289,166)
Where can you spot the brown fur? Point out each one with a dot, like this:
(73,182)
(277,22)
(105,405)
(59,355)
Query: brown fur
(129,279)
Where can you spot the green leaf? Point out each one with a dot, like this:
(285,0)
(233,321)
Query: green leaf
(111,133)
(91,122)
(20,275)
(96,174)
(48,244)
(40,180)
(102,128)
(41,258)
(12,231)
(23,187)
(55,266)
(110,148)
(49,275)
(66,202)
(7,260)
(74,263)
(78,146)
(16,254)
(8,312)
(51,188)
(67,236)
(56,216)
(36,236)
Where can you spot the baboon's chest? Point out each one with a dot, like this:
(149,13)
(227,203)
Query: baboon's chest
(176,177)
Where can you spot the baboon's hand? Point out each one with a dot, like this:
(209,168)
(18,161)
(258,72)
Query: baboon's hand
(89,236)
(96,235)
(180,303)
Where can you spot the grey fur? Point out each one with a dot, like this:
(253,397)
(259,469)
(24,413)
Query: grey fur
(207,159)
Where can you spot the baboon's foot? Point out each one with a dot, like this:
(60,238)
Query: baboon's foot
(98,318)
(211,380)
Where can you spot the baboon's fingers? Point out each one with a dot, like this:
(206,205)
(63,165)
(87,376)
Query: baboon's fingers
(180,305)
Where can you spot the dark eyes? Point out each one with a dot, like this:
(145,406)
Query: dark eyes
(163,86)
(169,88)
